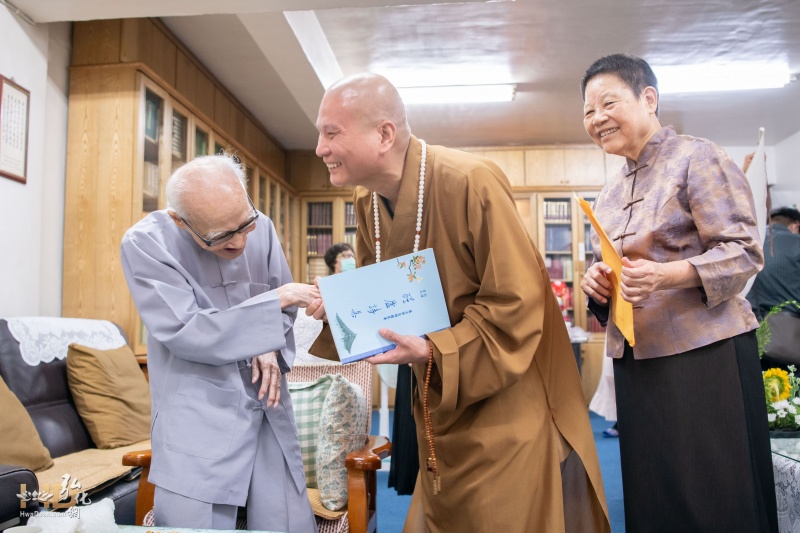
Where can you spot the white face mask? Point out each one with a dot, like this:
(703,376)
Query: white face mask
(348,264)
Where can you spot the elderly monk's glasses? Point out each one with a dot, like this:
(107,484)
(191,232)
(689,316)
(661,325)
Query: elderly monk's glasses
(225,237)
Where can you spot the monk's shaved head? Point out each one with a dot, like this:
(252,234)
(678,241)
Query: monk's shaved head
(373,99)
(363,133)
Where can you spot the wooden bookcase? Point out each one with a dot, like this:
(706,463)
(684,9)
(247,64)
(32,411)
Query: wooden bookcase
(326,220)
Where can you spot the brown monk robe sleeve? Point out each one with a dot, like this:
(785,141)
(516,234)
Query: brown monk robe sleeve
(324,346)
(493,343)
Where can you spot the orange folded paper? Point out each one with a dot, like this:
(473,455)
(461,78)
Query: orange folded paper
(621,310)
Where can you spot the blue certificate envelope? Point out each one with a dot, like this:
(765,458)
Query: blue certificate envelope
(403,294)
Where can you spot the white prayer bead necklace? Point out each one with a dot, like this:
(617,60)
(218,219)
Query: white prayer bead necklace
(419,207)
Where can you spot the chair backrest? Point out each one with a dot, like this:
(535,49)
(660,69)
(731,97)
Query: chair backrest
(359,373)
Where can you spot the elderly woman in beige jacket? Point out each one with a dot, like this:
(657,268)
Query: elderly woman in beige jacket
(694,439)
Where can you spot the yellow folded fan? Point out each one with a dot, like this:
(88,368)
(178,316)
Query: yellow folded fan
(621,310)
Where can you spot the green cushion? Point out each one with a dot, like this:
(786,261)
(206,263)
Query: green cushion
(308,399)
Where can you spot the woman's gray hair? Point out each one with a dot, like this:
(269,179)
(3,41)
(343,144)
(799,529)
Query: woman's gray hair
(198,172)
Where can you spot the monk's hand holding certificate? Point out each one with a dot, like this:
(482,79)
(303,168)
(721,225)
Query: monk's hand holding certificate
(621,310)
(403,295)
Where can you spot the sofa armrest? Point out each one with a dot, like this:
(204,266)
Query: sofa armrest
(146,494)
(362,490)
(11,480)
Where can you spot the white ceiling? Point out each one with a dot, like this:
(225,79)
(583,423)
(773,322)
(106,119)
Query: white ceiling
(543,46)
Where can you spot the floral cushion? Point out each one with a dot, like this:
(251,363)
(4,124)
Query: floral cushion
(308,400)
(343,426)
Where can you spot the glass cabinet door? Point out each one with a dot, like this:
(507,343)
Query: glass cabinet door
(288,247)
(585,247)
(179,136)
(350,224)
(249,175)
(263,193)
(201,141)
(556,239)
(319,237)
(151,170)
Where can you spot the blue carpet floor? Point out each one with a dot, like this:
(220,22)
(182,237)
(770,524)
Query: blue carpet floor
(392,508)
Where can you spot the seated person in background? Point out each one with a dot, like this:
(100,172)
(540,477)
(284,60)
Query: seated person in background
(220,439)
(779,281)
(340,258)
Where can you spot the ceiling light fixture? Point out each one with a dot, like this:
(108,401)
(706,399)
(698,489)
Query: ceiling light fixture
(453,94)
(721,77)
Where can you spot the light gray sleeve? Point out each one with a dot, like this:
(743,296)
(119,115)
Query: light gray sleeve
(166,302)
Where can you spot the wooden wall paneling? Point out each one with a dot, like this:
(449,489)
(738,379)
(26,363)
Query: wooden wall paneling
(526,206)
(276,158)
(113,197)
(511,162)
(224,112)
(186,78)
(143,41)
(584,166)
(307,172)
(193,84)
(98,190)
(96,42)
(253,138)
(79,235)
(544,167)
(263,148)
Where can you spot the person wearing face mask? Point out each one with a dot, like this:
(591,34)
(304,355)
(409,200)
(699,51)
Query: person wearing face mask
(340,258)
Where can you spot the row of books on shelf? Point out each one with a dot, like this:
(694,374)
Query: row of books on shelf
(320,214)
(151,181)
(558,238)
(559,267)
(318,243)
(316,268)
(350,238)
(557,211)
(349,214)
(179,137)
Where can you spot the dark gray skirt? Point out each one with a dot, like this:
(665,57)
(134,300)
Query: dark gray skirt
(694,441)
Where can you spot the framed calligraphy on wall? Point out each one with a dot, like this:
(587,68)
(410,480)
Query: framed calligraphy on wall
(14,113)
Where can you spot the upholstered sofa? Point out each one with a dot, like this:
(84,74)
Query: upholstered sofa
(44,392)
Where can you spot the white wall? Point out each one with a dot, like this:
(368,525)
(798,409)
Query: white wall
(787,189)
(32,214)
(783,168)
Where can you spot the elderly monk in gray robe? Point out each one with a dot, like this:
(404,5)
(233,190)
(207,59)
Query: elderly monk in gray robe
(212,286)
(502,426)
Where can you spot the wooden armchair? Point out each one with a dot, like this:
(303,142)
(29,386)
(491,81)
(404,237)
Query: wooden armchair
(362,465)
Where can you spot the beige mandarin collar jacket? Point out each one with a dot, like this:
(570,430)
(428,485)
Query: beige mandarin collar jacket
(683,199)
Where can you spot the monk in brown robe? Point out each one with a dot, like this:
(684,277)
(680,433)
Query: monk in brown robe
(504,437)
